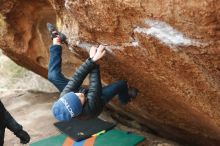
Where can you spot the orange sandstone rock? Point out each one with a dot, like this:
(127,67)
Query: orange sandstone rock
(168,49)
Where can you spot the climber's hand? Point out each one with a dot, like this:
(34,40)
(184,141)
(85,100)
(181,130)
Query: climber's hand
(92,51)
(24,136)
(100,52)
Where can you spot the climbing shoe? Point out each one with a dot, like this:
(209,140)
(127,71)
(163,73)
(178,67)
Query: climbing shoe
(54,33)
(16,128)
(132,93)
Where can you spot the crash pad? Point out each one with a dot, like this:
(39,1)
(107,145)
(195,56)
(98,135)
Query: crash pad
(110,138)
(118,138)
(82,129)
(63,140)
(57,140)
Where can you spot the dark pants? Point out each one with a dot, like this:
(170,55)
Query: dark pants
(2,123)
(56,76)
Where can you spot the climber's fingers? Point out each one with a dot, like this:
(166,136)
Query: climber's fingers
(99,53)
(92,51)
(101,48)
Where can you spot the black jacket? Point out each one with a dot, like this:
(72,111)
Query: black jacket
(6,120)
(2,123)
(93,105)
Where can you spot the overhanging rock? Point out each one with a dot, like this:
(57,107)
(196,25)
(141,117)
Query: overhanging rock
(169,50)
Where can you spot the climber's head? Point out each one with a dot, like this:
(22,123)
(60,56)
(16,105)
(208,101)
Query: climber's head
(68,106)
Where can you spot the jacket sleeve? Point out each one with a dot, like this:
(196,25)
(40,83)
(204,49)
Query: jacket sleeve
(94,93)
(78,77)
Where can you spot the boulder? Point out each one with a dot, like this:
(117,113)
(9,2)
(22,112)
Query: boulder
(169,50)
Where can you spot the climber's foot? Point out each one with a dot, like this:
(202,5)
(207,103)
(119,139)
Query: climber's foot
(54,33)
(132,93)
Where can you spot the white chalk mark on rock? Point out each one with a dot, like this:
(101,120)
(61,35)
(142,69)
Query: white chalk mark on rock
(66,4)
(135,43)
(86,46)
(167,34)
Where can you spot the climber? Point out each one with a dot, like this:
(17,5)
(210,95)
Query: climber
(76,101)
(7,121)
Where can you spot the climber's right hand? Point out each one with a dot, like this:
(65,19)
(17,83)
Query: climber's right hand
(97,53)
(92,51)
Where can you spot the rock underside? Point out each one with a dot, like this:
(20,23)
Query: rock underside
(169,50)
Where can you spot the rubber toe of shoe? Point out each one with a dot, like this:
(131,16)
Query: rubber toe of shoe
(132,92)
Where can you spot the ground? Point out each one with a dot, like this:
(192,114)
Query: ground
(32,109)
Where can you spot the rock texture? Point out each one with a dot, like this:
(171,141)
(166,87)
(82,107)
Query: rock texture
(168,49)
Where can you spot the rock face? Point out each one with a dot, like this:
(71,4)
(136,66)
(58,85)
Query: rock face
(170,50)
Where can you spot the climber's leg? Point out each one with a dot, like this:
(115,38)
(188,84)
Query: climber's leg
(55,74)
(119,88)
(54,69)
